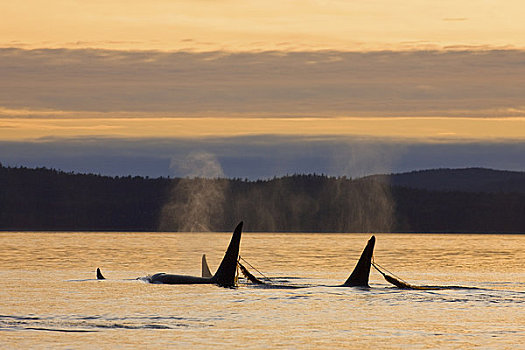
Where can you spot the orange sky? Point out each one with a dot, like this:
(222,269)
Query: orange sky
(429,129)
(262,25)
(124,26)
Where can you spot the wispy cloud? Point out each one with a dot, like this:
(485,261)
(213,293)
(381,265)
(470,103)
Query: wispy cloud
(262,25)
(402,129)
(324,83)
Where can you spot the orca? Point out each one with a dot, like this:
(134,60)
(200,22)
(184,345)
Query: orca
(205,270)
(225,275)
(358,278)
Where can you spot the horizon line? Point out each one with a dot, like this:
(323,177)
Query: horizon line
(245,179)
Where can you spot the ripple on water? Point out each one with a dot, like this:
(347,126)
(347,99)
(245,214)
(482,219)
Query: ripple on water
(94,323)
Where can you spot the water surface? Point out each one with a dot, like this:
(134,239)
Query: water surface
(51,299)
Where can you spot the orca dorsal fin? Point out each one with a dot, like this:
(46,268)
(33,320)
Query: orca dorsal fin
(359,277)
(225,275)
(205,268)
(99,275)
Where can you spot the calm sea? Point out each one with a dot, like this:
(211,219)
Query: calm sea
(49,297)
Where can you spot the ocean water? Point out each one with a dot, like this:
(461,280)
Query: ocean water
(49,297)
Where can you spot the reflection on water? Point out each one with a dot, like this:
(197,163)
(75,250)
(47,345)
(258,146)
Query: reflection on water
(50,297)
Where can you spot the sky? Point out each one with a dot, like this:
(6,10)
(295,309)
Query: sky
(256,89)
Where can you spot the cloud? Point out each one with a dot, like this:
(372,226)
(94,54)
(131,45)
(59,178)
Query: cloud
(321,83)
(423,129)
(256,157)
(455,19)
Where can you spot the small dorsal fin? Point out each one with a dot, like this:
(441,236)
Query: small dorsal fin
(205,268)
(99,275)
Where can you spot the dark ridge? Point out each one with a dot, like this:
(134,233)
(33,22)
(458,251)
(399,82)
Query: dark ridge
(471,200)
(465,180)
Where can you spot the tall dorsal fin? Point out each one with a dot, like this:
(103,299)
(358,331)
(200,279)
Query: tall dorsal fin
(225,275)
(205,268)
(359,277)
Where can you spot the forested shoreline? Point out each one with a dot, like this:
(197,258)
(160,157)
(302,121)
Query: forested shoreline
(47,200)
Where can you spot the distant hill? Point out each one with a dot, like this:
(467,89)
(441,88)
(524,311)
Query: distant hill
(466,180)
(444,200)
(46,199)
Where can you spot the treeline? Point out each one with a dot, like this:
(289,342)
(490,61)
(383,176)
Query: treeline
(44,199)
